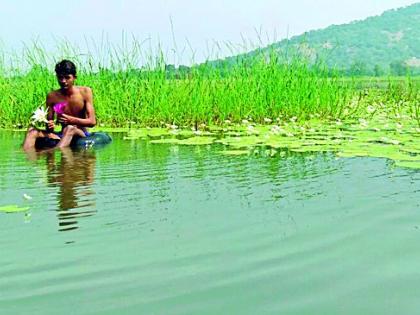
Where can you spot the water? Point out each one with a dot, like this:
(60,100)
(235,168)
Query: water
(138,228)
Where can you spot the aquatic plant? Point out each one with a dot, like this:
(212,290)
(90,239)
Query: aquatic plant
(137,88)
(39,117)
(59,108)
(396,140)
(13,209)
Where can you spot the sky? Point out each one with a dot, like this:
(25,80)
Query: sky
(188,29)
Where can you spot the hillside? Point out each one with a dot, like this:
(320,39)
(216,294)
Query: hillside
(385,44)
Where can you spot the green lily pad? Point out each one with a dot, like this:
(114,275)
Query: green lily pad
(144,133)
(241,142)
(235,152)
(13,208)
(166,141)
(352,154)
(197,141)
(314,148)
(411,149)
(346,138)
(408,164)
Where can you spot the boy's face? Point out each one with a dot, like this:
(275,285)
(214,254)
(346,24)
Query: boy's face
(65,81)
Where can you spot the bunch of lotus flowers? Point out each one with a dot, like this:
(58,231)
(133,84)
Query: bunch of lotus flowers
(39,117)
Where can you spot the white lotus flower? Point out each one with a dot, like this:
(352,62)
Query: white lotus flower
(363,123)
(39,116)
(370,109)
(27,197)
(275,130)
(250,129)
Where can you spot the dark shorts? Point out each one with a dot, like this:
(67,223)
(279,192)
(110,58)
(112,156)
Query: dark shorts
(45,143)
(60,134)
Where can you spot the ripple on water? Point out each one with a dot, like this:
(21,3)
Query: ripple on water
(181,231)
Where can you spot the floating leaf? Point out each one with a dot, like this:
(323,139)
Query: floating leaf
(408,164)
(166,141)
(13,208)
(242,142)
(197,141)
(235,152)
(347,139)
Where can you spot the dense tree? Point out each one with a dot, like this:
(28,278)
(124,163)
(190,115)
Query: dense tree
(378,71)
(398,68)
(375,46)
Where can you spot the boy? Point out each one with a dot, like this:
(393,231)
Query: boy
(73,106)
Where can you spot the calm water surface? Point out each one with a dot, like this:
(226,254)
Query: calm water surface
(138,228)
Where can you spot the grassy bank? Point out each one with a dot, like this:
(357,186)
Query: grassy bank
(265,89)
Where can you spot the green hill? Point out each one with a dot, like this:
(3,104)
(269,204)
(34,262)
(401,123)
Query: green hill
(385,44)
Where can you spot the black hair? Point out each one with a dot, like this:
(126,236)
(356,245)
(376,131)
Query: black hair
(65,67)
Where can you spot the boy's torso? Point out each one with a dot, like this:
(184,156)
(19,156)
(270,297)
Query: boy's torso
(75,102)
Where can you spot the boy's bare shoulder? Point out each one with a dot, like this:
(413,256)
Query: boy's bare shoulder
(85,90)
(53,95)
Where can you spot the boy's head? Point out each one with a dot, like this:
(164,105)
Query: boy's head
(66,73)
(65,67)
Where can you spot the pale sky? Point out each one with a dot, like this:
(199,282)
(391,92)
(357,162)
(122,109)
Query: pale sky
(201,22)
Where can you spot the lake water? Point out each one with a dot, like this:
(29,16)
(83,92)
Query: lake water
(140,228)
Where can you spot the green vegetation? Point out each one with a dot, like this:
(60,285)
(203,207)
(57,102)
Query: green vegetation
(267,105)
(13,208)
(394,138)
(388,44)
(266,88)
(263,88)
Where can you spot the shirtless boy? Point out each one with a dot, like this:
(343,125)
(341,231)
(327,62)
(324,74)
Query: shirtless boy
(75,114)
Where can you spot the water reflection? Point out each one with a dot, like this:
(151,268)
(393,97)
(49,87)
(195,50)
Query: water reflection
(73,173)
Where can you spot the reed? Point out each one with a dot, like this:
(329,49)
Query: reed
(136,86)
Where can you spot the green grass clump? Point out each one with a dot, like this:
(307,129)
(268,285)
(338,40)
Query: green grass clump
(258,89)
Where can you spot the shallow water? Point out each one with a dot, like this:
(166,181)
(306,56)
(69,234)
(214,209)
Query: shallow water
(140,228)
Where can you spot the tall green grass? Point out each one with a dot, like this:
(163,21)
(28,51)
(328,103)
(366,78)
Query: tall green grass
(266,86)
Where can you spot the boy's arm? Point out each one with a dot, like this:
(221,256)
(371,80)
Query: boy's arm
(90,120)
(50,116)
(90,110)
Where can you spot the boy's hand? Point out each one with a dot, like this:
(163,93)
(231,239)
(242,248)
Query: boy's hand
(51,124)
(66,119)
